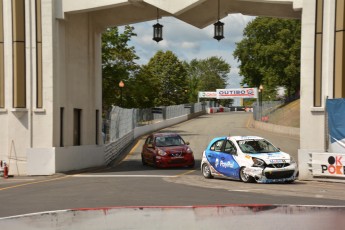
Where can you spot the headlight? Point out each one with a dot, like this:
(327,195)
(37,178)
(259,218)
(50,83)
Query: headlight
(258,162)
(189,150)
(161,152)
(292,161)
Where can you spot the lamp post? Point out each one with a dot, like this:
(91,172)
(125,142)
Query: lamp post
(121,85)
(261,88)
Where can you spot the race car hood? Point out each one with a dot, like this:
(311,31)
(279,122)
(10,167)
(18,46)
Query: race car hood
(271,158)
(174,149)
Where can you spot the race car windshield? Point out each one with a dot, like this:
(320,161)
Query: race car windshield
(169,141)
(257,146)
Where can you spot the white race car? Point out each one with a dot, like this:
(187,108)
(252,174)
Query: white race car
(249,159)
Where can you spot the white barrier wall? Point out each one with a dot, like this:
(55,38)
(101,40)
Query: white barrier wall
(61,159)
(215,217)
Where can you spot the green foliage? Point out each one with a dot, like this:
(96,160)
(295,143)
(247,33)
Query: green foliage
(206,75)
(164,81)
(269,55)
(118,63)
(169,77)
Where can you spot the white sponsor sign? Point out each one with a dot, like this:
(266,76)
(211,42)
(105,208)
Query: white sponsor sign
(328,164)
(207,94)
(237,93)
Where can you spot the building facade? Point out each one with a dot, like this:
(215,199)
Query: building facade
(51,78)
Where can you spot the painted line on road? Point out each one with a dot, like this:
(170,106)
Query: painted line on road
(244,190)
(9,180)
(35,182)
(138,176)
(186,173)
(131,152)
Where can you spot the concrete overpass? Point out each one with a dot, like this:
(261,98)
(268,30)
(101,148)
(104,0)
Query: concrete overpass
(51,83)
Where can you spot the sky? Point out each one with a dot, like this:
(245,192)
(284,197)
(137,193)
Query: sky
(188,42)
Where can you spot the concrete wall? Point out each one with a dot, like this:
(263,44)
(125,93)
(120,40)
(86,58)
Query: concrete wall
(79,78)
(292,131)
(312,124)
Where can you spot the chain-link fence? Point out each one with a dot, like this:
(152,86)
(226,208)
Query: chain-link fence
(121,121)
(263,109)
(119,125)
(276,112)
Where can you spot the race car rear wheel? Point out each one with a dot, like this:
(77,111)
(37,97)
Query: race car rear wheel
(206,172)
(245,177)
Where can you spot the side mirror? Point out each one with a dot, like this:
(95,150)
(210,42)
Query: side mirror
(187,143)
(150,145)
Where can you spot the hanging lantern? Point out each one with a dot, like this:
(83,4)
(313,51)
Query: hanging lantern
(218,30)
(157,32)
(218,27)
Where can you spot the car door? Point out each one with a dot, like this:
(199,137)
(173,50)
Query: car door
(212,154)
(148,149)
(227,164)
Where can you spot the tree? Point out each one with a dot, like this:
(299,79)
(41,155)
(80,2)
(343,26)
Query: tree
(207,75)
(169,77)
(143,87)
(269,55)
(117,63)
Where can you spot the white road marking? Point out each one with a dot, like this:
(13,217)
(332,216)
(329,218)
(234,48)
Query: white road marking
(244,190)
(11,179)
(146,176)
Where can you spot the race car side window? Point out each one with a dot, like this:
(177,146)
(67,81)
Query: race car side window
(230,147)
(217,146)
(149,140)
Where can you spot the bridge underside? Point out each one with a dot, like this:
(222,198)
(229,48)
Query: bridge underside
(51,107)
(199,13)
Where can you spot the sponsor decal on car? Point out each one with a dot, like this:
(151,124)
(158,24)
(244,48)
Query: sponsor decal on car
(227,164)
(276,161)
(216,163)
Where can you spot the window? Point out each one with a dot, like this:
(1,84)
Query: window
(2,66)
(97,126)
(39,80)
(318,54)
(230,147)
(19,82)
(149,140)
(77,127)
(61,126)
(339,51)
(217,146)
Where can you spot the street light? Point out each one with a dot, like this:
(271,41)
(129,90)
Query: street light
(121,85)
(261,89)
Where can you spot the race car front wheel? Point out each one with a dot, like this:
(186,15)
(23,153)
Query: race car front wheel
(206,172)
(245,177)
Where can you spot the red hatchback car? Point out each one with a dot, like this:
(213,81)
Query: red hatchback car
(164,150)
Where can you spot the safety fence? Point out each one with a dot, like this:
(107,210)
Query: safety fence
(278,112)
(262,110)
(122,126)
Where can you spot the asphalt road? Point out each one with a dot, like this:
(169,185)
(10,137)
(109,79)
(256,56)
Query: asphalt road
(129,183)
